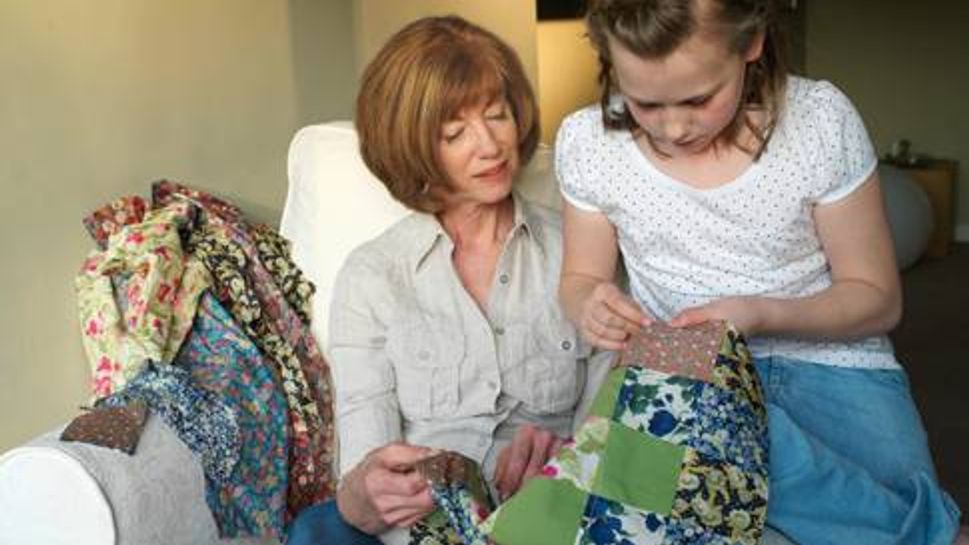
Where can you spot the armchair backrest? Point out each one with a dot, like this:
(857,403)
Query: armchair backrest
(334,204)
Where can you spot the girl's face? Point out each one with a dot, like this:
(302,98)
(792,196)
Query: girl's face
(685,100)
(479,152)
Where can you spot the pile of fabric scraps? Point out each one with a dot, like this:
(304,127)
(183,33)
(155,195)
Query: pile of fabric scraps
(190,310)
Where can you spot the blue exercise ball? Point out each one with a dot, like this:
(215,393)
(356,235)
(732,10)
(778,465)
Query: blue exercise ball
(909,214)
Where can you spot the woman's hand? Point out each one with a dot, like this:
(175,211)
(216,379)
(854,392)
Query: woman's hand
(747,314)
(608,316)
(384,490)
(524,458)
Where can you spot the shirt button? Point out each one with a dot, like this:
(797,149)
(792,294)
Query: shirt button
(503,278)
(492,385)
(423,355)
(499,330)
(566,345)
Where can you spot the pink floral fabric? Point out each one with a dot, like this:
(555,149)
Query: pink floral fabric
(112,217)
(157,294)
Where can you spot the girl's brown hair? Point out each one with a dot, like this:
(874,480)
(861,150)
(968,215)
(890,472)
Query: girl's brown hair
(421,78)
(653,29)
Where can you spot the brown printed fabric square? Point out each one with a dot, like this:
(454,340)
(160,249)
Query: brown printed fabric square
(687,352)
(112,427)
(449,469)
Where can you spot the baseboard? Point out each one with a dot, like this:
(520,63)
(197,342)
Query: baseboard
(962,233)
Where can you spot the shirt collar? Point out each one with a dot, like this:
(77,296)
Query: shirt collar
(429,234)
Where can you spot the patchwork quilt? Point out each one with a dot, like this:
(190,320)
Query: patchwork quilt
(674,452)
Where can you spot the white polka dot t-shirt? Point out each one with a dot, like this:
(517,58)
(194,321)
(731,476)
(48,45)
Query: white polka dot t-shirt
(754,235)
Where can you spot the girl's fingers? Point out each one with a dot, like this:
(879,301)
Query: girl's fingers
(611,333)
(689,317)
(629,311)
(599,335)
(606,344)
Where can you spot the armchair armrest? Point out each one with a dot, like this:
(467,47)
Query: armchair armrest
(54,492)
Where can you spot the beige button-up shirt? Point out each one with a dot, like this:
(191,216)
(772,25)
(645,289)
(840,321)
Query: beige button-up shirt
(414,358)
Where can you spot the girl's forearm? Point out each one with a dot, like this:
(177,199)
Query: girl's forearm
(848,309)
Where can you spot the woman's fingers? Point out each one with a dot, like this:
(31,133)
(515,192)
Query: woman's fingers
(541,444)
(410,521)
(398,510)
(524,458)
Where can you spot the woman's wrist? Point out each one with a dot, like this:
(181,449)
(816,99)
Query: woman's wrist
(353,505)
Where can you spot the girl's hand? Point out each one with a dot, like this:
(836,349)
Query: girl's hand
(745,313)
(608,316)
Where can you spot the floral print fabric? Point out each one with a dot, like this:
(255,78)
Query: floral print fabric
(236,253)
(229,264)
(112,217)
(674,452)
(461,495)
(139,297)
(157,290)
(608,521)
(200,418)
(720,499)
(222,359)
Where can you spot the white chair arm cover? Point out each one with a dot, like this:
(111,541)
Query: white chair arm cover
(64,493)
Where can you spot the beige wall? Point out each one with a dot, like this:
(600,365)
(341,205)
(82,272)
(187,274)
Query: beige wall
(567,70)
(98,98)
(512,20)
(906,66)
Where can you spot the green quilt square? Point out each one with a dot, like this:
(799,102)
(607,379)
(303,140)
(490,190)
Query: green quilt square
(639,470)
(547,511)
(604,404)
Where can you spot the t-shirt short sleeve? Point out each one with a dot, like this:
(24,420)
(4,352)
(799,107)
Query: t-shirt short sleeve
(574,153)
(845,155)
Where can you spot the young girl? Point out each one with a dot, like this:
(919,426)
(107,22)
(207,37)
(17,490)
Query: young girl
(737,192)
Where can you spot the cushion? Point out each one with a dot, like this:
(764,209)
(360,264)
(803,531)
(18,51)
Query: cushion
(334,204)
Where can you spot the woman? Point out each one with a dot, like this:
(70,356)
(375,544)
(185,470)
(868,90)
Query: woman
(445,331)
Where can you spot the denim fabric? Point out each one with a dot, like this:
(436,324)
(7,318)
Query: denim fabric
(322,524)
(849,458)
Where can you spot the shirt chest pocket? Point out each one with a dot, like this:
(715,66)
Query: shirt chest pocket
(426,356)
(552,362)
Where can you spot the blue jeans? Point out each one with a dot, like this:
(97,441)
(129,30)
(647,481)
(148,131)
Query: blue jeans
(849,458)
(322,524)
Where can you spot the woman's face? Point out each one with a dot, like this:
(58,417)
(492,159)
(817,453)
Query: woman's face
(685,100)
(478,150)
